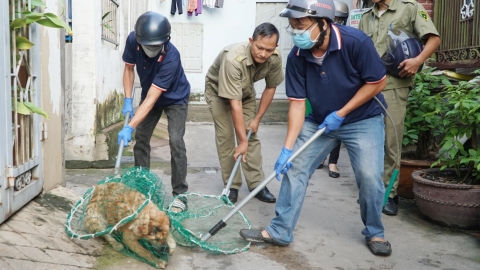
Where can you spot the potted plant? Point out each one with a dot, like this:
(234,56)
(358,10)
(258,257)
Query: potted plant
(450,195)
(422,126)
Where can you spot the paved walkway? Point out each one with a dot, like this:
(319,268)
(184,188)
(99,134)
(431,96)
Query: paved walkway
(327,235)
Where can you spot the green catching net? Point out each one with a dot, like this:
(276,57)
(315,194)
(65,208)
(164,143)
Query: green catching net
(201,214)
(128,211)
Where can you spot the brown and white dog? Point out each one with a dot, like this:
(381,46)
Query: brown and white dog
(112,202)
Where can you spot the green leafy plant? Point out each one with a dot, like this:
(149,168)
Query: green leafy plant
(423,120)
(106,23)
(461,120)
(21,21)
(27,108)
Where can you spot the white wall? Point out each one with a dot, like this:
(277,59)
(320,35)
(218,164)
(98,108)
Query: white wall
(51,50)
(80,117)
(233,23)
(222,26)
(109,71)
(96,73)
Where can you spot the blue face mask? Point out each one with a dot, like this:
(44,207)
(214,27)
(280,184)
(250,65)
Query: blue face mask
(301,38)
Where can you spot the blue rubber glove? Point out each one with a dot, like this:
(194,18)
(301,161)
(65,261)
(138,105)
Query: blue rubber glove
(332,122)
(282,161)
(127,107)
(125,134)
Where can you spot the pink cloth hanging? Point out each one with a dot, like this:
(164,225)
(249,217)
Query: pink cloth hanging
(192,5)
(198,9)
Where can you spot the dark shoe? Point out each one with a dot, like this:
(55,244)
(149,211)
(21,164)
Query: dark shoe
(321,164)
(257,237)
(233,195)
(380,248)
(395,199)
(333,174)
(265,196)
(390,208)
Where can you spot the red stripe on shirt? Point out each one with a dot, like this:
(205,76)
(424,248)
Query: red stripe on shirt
(296,99)
(379,81)
(339,37)
(130,64)
(159,88)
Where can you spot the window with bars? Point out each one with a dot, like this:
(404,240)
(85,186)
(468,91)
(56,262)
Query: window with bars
(109,21)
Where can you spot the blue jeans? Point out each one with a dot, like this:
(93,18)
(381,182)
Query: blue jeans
(364,141)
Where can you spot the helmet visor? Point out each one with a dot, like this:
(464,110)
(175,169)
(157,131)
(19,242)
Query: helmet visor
(292,11)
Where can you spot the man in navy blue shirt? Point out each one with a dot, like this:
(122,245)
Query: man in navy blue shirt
(338,69)
(164,89)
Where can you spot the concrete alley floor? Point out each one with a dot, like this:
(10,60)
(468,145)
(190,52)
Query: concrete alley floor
(327,235)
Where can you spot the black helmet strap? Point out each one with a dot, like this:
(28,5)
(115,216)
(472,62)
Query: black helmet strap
(323,33)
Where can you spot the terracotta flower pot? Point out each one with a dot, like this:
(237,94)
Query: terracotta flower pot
(405,182)
(450,205)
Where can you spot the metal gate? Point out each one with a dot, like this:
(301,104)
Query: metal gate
(20,135)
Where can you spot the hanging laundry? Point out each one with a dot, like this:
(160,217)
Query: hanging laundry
(192,5)
(209,3)
(175,4)
(198,9)
(219,3)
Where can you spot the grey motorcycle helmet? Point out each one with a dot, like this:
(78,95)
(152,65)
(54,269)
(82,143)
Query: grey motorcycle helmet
(152,28)
(309,8)
(341,12)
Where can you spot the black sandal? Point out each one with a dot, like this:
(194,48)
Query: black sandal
(256,236)
(380,248)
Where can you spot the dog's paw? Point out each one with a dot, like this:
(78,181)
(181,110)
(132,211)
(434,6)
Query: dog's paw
(117,246)
(171,243)
(161,264)
(114,243)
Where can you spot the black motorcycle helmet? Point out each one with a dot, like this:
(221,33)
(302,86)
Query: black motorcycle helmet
(152,28)
(401,46)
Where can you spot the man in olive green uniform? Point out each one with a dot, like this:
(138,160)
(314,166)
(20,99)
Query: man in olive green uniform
(231,99)
(411,17)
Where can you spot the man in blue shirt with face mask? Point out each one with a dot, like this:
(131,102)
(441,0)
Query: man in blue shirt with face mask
(338,69)
(164,89)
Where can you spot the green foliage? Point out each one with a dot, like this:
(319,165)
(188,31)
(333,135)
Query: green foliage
(22,43)
(45,19)
(106,23)
(462,119)
(423,119)
(37,3)
(27,108)
(35,109)
(24,19)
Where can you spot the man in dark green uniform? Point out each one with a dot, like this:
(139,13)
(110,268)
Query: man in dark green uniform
(410,17)
(230,95)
